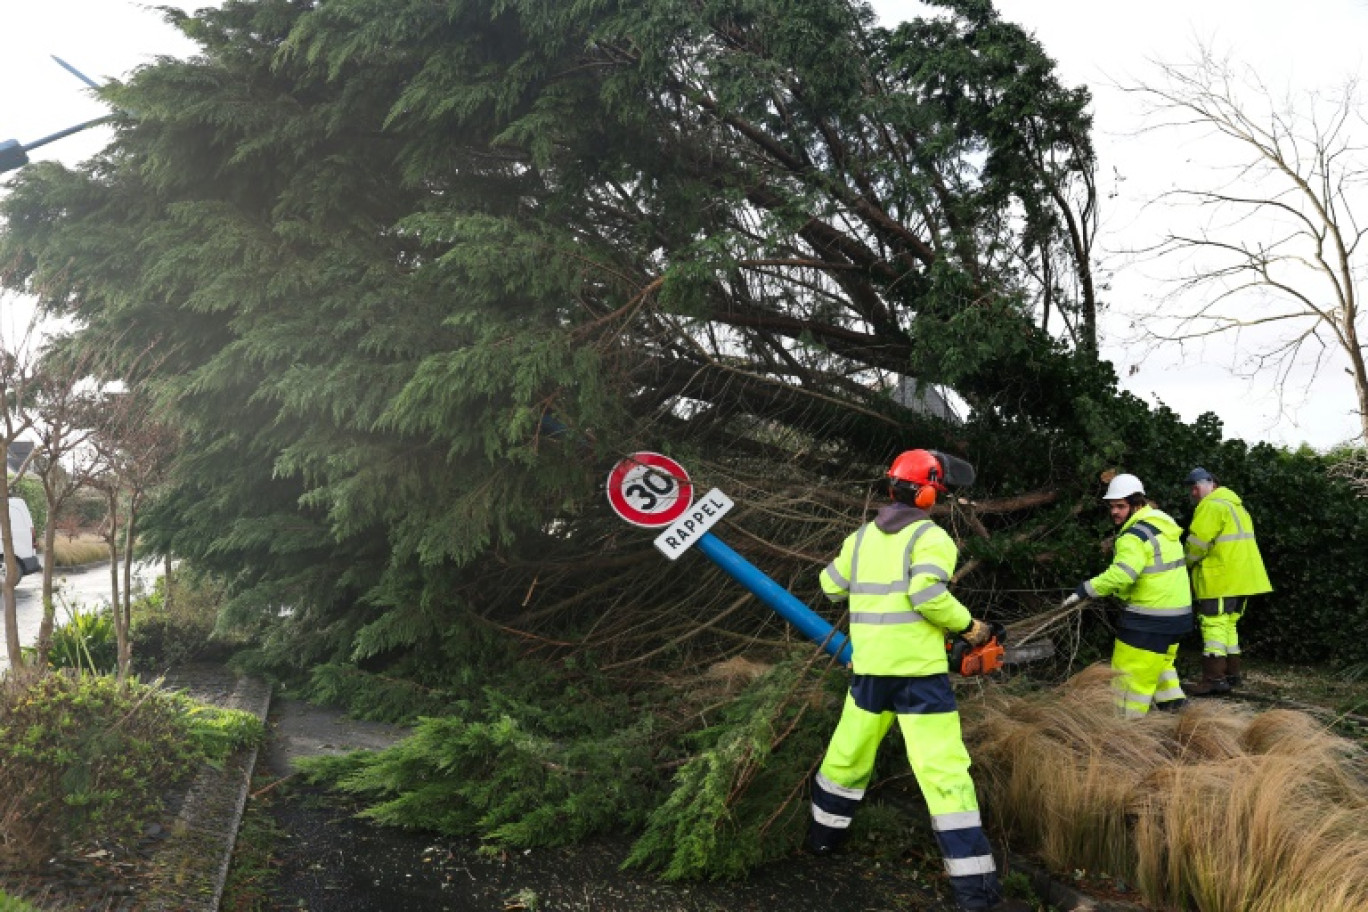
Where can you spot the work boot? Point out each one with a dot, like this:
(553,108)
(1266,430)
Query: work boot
(822,841)
(1213,683)
(1233,677)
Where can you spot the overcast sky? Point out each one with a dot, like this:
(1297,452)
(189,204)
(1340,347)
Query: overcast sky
(1317,43)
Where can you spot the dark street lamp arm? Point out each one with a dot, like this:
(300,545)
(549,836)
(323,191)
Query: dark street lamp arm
(13,155)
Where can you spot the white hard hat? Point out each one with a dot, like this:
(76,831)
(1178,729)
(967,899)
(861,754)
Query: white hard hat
(1123,486)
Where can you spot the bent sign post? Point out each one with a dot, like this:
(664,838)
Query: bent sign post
(653,491)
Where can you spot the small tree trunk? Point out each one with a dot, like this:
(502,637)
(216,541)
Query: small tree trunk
(120,628)
(166,573)
(49,606)
(1360,372)
(12,647)
(126,647)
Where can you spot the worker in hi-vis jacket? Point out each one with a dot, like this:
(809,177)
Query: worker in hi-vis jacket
(895,571)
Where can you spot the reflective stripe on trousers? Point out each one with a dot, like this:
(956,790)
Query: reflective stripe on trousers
(1144,677)
(1220,637)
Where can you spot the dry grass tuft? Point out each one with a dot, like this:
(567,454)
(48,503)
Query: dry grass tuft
(84,549)
(1215,809)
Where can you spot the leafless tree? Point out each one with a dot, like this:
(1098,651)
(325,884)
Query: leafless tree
(135,449)
(65,408)
(1276,260)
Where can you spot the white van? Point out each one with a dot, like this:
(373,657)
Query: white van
(25,538)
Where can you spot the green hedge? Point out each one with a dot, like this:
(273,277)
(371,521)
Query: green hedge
(1312,529)
(31,489)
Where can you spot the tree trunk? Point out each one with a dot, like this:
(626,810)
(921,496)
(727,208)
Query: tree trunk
(12,647)
(1360,373)
(166,572)
(120,629)
(126,647)
(49,607)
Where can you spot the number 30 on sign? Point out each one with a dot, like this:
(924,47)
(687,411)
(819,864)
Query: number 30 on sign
(649,489)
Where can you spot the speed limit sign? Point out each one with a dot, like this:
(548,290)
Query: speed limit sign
(649,489)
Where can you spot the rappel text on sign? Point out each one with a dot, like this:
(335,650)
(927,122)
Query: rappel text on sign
(686,530)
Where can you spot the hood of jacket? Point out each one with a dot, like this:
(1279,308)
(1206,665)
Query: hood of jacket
(897,516)
(1156,518)
(1224,493)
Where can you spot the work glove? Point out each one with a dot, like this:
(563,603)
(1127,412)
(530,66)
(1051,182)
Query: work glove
(1075,597)
(977,633)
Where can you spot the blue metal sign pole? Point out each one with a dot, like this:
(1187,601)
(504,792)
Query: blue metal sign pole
(776,596)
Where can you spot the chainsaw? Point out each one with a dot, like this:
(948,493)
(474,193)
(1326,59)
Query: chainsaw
(970,661)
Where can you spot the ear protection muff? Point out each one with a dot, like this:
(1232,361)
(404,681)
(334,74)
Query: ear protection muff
(926,497)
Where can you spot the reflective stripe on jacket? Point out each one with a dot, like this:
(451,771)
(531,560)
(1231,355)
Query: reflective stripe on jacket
(1221,549)
(900,608)
(1149,574)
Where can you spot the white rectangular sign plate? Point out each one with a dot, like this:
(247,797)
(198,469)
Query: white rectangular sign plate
(683,532)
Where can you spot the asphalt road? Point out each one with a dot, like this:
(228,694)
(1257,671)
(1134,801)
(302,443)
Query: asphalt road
(75,587)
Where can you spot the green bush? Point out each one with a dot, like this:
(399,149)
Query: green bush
(31,490)
(10,904)
(83,756)
(86,642)
(168,632)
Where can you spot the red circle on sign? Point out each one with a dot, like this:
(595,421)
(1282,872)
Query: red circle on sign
(649,489)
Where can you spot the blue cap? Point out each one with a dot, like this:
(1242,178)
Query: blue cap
(1199,474)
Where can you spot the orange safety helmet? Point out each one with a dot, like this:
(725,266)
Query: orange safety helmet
(921,470)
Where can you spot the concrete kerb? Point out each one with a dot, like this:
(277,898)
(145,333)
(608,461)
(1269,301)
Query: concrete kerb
(262,709)
(192,864)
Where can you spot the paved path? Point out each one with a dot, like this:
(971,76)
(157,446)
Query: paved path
(300,729)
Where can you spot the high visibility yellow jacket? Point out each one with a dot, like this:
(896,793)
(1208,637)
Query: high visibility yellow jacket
(1221,549)
(895,570)
(1148,572)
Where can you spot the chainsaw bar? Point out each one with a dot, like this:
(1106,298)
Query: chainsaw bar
(1034,652)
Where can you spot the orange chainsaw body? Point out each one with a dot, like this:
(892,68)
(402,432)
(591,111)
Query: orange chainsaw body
(978,660)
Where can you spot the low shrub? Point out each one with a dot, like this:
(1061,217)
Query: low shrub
(31,490)
(83,756)
(10,904)
(86,642)
(175,625)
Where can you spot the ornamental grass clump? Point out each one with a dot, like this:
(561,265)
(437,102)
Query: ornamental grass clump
(1214,809)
